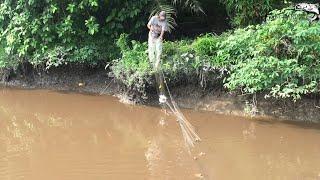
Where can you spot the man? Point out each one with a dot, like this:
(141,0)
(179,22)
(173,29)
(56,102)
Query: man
(157,26)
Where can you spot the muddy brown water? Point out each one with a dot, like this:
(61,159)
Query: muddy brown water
(47,135)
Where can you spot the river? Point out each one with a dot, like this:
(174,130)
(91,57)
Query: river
(48,135)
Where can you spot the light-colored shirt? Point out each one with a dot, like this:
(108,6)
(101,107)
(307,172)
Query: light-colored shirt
(158,26)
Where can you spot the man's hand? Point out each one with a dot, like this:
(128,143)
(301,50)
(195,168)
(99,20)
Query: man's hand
(161,35)
(150,27)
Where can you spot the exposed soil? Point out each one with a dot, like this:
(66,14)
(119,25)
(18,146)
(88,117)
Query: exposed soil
(85,79)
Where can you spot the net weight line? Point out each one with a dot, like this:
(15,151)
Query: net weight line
(189,134)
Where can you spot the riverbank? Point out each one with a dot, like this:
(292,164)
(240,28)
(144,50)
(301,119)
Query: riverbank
(277,59)
(96,81)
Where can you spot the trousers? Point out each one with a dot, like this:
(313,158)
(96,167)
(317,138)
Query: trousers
(154,51)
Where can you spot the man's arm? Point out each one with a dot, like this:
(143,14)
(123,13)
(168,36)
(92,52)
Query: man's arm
(150,27)
(161,35)
(164,28)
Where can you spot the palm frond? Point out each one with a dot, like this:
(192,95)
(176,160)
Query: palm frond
(169,7)
(193,5)
(162,5)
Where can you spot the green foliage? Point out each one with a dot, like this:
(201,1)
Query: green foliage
(279,57)
(249,12)
(170,6)
(92,25)
(206,47)
(178,59)
(56,32)
(246,12)
(5,59)
(135,71)
(133,68)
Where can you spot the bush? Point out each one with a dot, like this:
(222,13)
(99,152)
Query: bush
(133,68)
(279,58)
(57,32)
(135,71)
(251,12)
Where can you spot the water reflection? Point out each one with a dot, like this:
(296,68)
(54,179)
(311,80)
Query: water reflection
(250,132)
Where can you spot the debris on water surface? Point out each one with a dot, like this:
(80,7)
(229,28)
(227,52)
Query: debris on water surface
(199,175)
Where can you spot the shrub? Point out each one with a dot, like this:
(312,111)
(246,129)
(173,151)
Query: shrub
(135,71)
(279,57)
(251,12)
(55,32)
(133,68)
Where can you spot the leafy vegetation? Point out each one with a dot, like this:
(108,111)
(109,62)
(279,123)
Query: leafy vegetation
(50,33)
(135,71)
(53,33)
(279,58)
(249,12)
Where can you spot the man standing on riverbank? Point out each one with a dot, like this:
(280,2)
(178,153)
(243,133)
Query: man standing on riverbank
(157,26)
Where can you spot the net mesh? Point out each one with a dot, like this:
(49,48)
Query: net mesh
(167,102)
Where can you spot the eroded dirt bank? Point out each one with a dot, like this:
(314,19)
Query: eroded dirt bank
(96,81)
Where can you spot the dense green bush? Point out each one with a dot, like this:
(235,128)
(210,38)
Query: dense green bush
(55,32)
(279,58)
(135,71)
(246,12)
(249,12)
(133,68)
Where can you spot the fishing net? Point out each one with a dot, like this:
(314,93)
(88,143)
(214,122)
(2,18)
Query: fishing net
(167,102)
